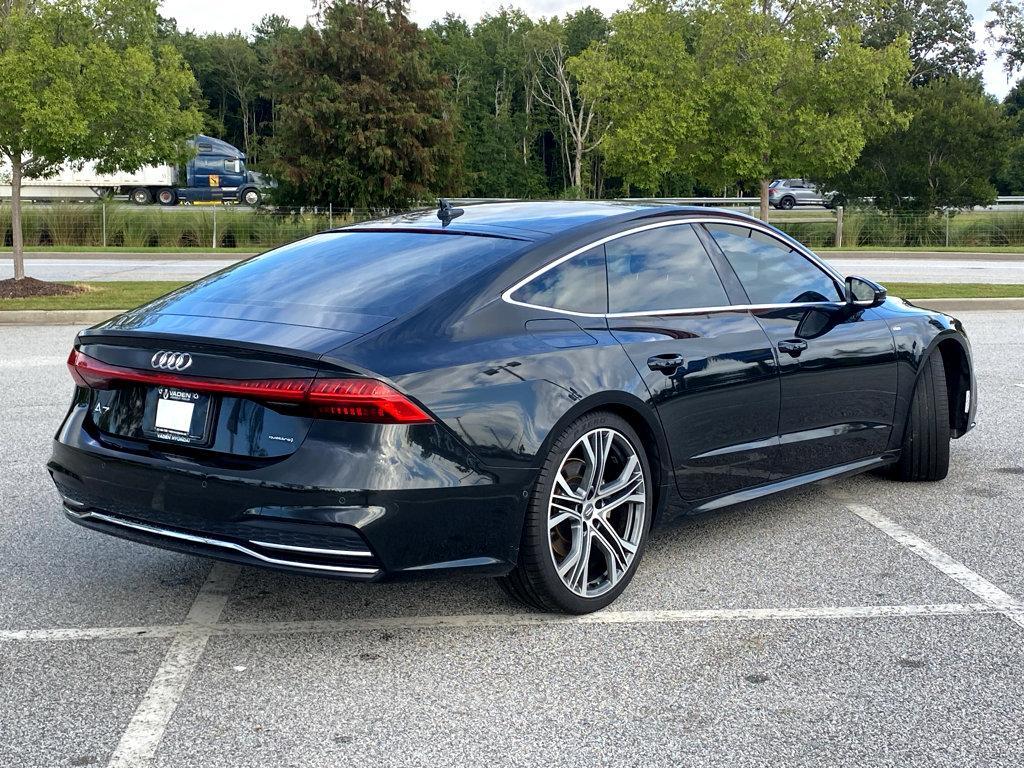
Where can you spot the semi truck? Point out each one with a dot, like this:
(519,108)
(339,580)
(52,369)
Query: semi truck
(216,172)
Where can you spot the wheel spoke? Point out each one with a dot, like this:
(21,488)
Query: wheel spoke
(617,550)
(629,480)
(562,518)
(568,491)
(575,569)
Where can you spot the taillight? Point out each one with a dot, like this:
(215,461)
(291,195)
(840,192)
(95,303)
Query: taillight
(361,400)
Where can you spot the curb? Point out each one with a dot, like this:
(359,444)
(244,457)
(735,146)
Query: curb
(56,317)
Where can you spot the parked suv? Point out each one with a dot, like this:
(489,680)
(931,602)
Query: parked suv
(787,193)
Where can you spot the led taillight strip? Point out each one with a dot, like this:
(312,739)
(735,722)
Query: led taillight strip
(364,400)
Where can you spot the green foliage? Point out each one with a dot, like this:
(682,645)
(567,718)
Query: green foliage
(133,227)
(724,90)
(1006,28)
(489,96)
(947,156)
(89,80)
(361,117)
(941,35)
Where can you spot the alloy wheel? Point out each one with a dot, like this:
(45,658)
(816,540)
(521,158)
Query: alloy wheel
(596,512)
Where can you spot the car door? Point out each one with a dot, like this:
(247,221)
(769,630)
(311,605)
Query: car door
(803,192)
(837,362)
(205,177)
(709,367)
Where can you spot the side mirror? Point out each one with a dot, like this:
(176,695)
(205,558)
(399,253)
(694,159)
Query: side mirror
(862,292)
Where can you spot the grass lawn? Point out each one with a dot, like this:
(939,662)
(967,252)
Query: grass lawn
(125,294)
(100,295)
(930,249)
(955,290)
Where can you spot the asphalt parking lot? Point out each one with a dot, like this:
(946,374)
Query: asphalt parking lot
(863,622)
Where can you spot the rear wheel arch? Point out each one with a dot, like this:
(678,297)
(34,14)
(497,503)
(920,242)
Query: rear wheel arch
(641,418)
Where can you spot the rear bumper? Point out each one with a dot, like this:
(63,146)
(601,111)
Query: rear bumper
(432,510)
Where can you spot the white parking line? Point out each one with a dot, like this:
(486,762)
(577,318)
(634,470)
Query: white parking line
(991,594)
(469,621)
(140,740)
(20,363)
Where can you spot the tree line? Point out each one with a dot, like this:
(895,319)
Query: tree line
(879,99)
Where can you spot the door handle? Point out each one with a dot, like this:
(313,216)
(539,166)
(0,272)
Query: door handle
(793,346)
(667,363)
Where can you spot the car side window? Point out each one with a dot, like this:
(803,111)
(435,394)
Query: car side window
(578,284)
(770,271)
(665,268)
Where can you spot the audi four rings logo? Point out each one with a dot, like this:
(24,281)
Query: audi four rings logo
(171,361)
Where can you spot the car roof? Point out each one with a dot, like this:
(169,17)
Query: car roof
(533,220)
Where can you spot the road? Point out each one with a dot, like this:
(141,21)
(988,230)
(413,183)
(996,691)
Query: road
(937,268)
(862,622)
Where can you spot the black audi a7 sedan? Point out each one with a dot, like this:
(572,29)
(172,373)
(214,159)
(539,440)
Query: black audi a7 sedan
(514,389)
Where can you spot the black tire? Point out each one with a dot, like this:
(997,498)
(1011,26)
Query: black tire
(250,197)
(167,197)
(140,196)
(535,580)
(924,455)
(787,203)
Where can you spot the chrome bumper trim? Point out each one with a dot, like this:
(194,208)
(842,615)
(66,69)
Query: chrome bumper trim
(317,550)
(365,571)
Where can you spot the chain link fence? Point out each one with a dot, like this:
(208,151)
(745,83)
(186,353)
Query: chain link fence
(101,225)
(859,227)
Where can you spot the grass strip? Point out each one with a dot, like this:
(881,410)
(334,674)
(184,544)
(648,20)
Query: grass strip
(99,295)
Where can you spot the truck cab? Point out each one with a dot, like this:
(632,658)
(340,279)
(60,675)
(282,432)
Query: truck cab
(216,172)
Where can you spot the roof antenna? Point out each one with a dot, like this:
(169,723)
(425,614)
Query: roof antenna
(446,213)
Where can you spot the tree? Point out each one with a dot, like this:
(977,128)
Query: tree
(1006,30)
(941,35)
(946,156)
(361,118)
(87,80)
(728,90)
(556,87)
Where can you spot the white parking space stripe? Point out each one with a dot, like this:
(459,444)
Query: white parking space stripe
(91,633)
(991,594)
(140,740)
(468,621)
(19,363)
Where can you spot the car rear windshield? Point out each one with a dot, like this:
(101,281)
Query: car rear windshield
(379,273)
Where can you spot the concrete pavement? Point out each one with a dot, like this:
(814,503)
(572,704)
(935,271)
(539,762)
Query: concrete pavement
(817,628)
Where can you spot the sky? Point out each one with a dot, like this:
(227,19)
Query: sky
(230,15)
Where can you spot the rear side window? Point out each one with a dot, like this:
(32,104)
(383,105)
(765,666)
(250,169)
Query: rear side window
(577,285)
(379,273)
(770,271)
(665,268)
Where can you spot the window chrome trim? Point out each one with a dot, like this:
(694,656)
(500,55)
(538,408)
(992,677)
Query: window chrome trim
(759,226)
